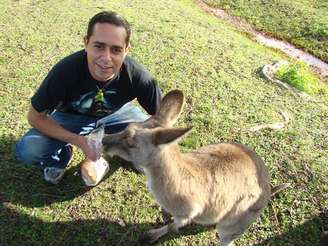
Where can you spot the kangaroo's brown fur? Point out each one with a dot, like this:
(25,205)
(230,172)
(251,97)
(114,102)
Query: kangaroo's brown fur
(226,184)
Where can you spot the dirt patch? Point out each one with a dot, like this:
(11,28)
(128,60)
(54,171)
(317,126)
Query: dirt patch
(319,66)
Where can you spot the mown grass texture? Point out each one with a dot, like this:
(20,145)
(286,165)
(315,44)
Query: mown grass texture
(304,23)
(218,70)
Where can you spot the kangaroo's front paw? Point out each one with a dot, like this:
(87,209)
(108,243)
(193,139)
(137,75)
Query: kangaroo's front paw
(153,235)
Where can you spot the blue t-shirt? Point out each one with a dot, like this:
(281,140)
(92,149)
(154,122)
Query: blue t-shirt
(69,87)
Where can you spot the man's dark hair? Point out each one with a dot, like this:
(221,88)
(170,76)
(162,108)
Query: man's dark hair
(111,18)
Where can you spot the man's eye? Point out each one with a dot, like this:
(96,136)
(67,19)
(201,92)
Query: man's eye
(98,46)
(116,51)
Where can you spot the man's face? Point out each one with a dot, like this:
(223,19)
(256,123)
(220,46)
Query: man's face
(106,50)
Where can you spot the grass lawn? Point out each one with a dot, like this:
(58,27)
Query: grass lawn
(216,66)
(301,22)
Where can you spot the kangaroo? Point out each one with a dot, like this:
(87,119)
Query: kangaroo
(225,184)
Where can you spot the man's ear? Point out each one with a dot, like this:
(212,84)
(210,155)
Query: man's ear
(85,41)
(127,49)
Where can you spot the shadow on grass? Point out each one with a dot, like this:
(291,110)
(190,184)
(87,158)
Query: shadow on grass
(302,234)
(23,229)
(24,184)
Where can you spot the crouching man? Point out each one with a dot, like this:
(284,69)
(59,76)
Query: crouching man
(90,87)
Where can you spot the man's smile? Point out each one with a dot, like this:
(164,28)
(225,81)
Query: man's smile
(102,67)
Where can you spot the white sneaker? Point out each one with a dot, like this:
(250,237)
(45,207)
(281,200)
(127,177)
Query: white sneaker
(53,174)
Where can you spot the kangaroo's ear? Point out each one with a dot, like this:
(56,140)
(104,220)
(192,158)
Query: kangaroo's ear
(170,108)
(169,135)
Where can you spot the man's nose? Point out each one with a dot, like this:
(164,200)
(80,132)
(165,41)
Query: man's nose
(107,54)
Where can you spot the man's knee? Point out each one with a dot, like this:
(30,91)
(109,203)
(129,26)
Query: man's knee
(30,149)
(137,115)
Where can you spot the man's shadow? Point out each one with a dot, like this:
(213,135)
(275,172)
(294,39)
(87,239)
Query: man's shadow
(24,184)
(23,229)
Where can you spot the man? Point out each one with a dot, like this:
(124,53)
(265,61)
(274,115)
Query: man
(90,87)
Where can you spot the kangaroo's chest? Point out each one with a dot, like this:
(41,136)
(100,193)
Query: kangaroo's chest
(161,192)
(172,199)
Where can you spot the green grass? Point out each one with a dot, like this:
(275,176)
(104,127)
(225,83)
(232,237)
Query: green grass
(300,76)
(304,23)
(216,66)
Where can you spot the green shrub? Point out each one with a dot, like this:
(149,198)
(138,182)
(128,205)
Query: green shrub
(300,76)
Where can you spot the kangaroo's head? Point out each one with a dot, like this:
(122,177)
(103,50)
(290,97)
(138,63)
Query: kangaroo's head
(139,141)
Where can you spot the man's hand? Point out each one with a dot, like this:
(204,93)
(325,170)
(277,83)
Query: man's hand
(95,141)
(90,148)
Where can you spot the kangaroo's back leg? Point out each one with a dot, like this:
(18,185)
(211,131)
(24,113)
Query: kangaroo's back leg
(229,232)
(154,234)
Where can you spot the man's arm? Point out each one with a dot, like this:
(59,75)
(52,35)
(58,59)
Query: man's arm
(49,127)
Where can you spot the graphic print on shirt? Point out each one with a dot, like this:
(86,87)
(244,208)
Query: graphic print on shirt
(95,103)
